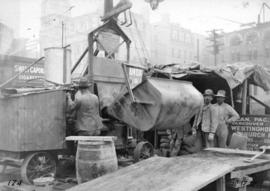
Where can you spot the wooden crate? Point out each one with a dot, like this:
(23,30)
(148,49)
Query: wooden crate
(33,121)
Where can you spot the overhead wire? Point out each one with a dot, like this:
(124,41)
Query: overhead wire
(135,45)
(141,40)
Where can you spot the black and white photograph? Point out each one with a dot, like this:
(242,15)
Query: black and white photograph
(135,95)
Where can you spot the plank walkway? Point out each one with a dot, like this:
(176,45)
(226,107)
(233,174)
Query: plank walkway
(185,173)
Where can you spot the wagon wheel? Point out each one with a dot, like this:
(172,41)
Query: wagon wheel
(37,165)
(143,151)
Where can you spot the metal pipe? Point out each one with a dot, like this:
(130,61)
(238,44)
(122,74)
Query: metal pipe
(108,6)
(17,75)
(116,11)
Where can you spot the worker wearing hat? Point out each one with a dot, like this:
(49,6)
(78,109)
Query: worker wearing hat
(208,129)
(86,105)
(225,115)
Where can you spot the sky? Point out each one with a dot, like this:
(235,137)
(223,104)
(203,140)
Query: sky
(197,15)
(203,15)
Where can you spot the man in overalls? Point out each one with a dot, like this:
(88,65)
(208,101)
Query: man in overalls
(86,105)
(208,113)
(225,115)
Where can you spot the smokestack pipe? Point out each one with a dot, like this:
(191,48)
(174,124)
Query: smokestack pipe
(108,6)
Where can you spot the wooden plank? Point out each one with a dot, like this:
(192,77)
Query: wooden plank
(91,138)
(236,158)
(251,170)
(160,173)
(185,173)
(244,97)
(233,151)
(33,122)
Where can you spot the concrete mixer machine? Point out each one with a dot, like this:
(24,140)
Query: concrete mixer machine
(153,104)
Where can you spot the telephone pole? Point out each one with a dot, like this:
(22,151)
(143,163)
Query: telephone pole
(215,36)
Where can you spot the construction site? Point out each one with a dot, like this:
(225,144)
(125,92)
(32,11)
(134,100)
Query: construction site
(107,109)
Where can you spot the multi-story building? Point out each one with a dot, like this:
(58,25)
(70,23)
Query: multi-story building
(158,44)
(140,34)
(251,44)
(59,29)
(6,38)
(10,15)
(77,31)
(172,43)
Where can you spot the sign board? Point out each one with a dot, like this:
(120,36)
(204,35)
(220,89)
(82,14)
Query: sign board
(256,128)
(33,72)
(13,65)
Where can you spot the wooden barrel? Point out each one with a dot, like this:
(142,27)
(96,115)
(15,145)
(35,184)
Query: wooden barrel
(95,158)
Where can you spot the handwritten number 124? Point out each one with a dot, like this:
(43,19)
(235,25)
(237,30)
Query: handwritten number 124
(14,182)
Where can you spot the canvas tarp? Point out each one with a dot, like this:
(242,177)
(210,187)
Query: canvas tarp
(235,74)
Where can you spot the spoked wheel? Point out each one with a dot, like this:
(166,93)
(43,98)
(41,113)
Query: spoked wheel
(37,165)
(143,151)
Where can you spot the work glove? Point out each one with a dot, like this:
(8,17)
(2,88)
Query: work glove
(68,94)
(211,137)
(194,131)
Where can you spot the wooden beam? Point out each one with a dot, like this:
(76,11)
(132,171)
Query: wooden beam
(244,98)
(79,60)
(90,138)
(91,60)
(260,102)
(232,100)
(221,186)
(250,170)
(127,83)
(136,67)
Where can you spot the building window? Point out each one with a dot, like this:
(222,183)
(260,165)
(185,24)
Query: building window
(174,35)
(222,58)
(255,54)
(267,52)
(252,38)
(238,56)
(235,41)
(233,56)
(179,54)
(267,36)
(181,36)
(173,52)
(249,55)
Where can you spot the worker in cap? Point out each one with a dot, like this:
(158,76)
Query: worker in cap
(208,129)
(86,105)
(225,115)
